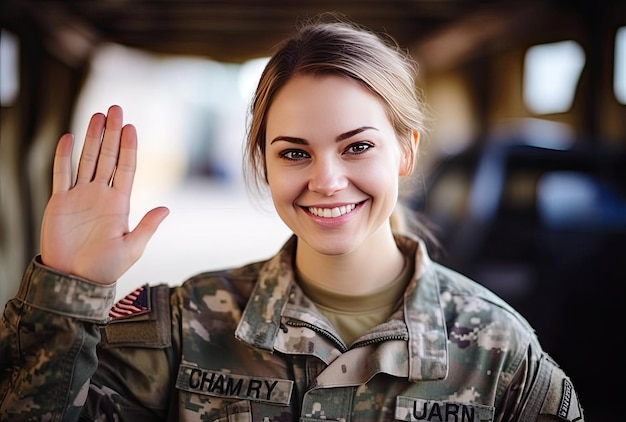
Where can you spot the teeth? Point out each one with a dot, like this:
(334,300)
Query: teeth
(331,212)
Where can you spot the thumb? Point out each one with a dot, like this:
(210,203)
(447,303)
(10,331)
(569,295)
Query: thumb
(146,228)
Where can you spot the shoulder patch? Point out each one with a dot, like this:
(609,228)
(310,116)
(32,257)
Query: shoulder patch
(568,401)
(135,303)
(141,319)
(552,394)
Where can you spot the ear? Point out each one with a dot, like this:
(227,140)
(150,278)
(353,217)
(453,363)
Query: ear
(408,154)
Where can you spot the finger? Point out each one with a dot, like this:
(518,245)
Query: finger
(62,166)
(109,150)
(127,162)
(91,148)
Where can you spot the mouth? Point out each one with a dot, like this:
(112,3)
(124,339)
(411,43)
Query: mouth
(332,212)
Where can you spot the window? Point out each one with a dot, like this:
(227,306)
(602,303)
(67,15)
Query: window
(619,75)
(9,68)
(551,74)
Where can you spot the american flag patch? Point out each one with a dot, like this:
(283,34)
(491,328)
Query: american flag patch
(134,303)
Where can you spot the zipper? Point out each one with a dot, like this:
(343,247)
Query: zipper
(338,342)
(394,337)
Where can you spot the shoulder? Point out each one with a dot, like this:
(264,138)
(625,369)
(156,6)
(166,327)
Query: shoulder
(464,296)
(459,295)
(236,283)
(143,318)
(474,314)
(477,319)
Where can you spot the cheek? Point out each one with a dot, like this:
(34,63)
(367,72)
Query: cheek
(382,187)
(381,176)
(282,188)
(272,175)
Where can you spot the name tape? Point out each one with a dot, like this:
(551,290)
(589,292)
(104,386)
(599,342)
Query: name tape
(227,385)
(412,409)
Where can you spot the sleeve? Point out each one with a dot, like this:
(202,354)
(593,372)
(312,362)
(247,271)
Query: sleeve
(56,365)
(551,396)
(48,344)
(137,362)
(539,391)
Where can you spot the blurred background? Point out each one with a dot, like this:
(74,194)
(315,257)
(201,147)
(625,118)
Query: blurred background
(522,178)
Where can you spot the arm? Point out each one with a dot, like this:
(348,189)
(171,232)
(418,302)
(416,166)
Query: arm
(51,329)
(541,391)
(52,369)
(48,344)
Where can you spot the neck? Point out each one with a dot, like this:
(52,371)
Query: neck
(373,265)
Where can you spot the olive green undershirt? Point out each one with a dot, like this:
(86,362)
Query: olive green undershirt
(353,315)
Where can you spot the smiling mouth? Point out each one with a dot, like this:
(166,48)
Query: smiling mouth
(331,212)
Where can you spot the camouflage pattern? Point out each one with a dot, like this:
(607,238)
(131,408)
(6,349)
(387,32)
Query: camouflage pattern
(247,345)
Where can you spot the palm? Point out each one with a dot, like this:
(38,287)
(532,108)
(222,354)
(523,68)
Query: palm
(85,226)
(83,229)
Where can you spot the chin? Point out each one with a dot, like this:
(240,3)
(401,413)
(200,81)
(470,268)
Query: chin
(331,247)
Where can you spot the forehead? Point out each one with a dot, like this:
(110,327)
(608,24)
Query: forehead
(325,101)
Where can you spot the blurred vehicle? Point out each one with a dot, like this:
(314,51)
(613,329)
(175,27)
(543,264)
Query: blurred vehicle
(544,227)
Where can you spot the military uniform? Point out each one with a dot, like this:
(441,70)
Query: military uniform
(247,345)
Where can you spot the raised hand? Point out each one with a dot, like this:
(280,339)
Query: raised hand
(85,224)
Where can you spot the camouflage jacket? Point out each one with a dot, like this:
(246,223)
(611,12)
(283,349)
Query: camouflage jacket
(245,344)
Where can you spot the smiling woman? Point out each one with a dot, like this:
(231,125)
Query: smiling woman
(340,150)
(349,320)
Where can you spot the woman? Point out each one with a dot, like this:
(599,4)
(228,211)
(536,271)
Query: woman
(350,320)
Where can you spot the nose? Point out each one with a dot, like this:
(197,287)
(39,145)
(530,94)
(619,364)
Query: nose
(327,177)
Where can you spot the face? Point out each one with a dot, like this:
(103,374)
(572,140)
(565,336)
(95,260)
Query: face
(333,163)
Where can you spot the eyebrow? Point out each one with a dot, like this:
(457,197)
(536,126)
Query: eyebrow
(339,138)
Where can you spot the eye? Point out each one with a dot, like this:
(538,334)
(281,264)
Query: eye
(359,148)
(293,154)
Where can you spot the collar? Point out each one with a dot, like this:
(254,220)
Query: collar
(423,313)
(424,317)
